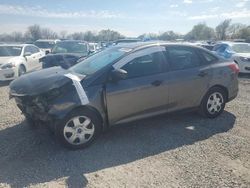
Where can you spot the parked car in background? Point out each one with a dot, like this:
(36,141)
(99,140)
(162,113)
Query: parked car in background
(205,44)
(17,59)
(66,53)
(94,47)
(128,40)
(239,52)
(46,44)
(125,83)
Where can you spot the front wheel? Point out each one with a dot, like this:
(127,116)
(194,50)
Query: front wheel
(213,103)
(21,70)
(79,129)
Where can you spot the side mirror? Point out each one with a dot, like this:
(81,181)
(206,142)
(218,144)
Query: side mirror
(27,54)
(118,74)
(47,52)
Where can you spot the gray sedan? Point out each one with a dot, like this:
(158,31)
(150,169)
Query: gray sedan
(125,83)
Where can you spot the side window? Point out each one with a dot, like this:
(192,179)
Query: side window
(145,65)
(28,49)
(182,58)
(34,49)
(208,57)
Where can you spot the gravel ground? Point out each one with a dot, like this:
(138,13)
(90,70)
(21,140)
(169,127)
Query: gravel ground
(182,150)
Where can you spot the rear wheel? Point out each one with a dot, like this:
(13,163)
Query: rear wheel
(213,103)
(79,129)
(21,70)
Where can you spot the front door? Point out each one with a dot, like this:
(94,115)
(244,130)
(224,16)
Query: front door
(144,91)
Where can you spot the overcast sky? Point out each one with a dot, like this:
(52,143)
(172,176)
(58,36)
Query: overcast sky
(130,17)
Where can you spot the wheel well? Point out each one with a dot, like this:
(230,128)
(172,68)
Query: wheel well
(22,65)
(236,62)
(223,88)
(92,109)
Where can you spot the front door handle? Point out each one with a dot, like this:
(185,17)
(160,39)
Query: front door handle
(202,73)
(157,82)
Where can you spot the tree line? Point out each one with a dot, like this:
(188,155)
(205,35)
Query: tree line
(35,32)
(226,30)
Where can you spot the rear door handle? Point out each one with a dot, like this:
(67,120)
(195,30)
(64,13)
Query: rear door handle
(202,73)
(157,82)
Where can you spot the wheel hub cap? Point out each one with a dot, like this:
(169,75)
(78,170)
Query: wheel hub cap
(78,130)
(215,102)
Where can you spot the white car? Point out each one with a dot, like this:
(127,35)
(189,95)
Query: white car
(238,52)
(17,59)
(46,45)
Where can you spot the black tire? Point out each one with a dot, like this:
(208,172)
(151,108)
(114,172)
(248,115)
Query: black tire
(206,104)
(95,125)
(21,70)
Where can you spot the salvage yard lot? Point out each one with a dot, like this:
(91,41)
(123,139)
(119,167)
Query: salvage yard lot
(181,150)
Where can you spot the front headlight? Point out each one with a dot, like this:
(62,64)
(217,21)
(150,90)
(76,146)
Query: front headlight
(8,66)
(245,59)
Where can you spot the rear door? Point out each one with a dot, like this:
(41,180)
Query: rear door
(144,91)
(36,55)
(30,60)
(188,77)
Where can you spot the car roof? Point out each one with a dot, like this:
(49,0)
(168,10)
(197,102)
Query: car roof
(47,40)
(139,45)
(230,43)
(72,41)
(19,45)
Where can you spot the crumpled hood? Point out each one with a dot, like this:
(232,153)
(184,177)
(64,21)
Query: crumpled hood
(39,82)
(9,59)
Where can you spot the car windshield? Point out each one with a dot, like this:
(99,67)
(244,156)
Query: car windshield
(44,44)
(241,48)
(10,51)
(70,47)
(98,61)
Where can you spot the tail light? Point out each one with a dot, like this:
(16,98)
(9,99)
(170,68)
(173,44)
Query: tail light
(234,67)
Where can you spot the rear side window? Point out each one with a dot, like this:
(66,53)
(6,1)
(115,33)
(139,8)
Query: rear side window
(208,58)
(34,49)
(145,65)
(181,58)
(31,49)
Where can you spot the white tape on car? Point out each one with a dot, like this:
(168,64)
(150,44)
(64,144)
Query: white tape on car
(79,89)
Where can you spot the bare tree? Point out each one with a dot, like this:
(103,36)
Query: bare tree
(200,32)
(168,35)
(89,36)
(109,35)
(221,29)
(35,32)
(17,36)
(47,33)
(77,36)
(234,30)
(244,33)
(63,34)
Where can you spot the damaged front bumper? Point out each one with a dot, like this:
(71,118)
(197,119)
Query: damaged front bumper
(33,107)
(49,107)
